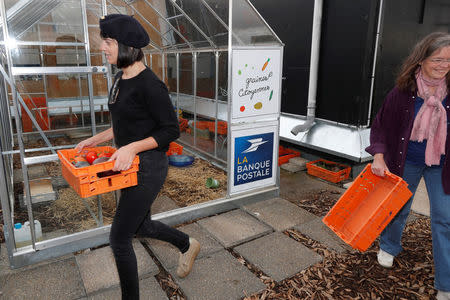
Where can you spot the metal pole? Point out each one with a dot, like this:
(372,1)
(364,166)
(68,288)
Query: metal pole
(105,61)
(194,61)
(216,55)
(88,64)
(44,78)
(163,64)
(18,126)
(375,54)
(177,56)
(7,214)
(79,85)
(230,61)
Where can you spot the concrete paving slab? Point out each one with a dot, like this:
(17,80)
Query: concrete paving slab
(318,231)
(421,202)
(162,204)
(299,161)
(294,186)
(234,227)
(57,280)
(96,278)
(168,254)
(34,172)
(219,276)
(278,213)
(149,289)
(278,256)
(6,270)
(291,167)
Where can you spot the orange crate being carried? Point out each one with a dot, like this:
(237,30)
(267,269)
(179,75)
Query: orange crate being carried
(367,207)
(98,178)
(328,170)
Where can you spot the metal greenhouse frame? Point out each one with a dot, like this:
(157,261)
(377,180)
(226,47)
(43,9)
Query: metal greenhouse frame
(221,61)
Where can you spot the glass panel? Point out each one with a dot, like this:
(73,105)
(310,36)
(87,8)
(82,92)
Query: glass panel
(153,24)
(223,77)
(223,108)
(26,56)
(171,73)
(184,26)
(186,78)
(186,101)
(48,21)
(202,17)
(156,63)
(206,107)
(62,101)
(206,75)
(220,8)
(249,28)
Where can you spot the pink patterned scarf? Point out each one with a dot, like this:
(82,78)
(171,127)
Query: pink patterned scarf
(431,120)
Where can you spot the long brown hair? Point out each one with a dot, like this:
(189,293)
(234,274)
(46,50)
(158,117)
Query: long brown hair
(406,80)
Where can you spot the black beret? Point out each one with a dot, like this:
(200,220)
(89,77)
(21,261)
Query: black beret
(125,29)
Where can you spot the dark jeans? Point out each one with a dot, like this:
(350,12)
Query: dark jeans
(133,217)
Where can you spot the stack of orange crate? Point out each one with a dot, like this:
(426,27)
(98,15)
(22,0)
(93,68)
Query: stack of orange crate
(96,179)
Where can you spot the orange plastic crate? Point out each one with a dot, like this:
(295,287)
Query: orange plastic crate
(88,181)
(367,207)
(328,175)
(285,154)
(221,127)
(174,148)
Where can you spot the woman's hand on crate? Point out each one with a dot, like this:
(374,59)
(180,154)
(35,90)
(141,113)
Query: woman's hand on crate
(95,140)
(379,165)
(124,157)
(87,143)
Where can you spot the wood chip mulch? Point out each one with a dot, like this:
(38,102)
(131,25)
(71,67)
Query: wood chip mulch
(355,275)
(187,185)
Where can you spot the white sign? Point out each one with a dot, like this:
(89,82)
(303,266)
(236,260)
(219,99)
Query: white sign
(255,82)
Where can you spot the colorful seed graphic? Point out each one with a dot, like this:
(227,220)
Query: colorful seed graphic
(239,72)
(271,94)
(258,105)
(242,108)
(265,64)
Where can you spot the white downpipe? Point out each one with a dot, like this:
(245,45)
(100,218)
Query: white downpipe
(313,70)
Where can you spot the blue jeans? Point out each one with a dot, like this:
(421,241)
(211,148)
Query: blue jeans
(390,239)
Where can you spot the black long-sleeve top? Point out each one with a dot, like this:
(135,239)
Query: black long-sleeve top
(143,109)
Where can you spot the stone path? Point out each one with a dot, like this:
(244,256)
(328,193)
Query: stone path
(253,232)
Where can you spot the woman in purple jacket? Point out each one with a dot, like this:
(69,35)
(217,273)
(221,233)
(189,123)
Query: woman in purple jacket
(410,138)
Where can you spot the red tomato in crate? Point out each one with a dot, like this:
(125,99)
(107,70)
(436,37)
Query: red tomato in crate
(91,156)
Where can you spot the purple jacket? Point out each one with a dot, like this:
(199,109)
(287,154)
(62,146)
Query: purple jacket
(391,130)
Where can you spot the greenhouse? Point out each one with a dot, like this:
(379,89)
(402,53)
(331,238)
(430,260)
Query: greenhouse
(222,64)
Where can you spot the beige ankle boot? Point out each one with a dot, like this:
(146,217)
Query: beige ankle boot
(186,260)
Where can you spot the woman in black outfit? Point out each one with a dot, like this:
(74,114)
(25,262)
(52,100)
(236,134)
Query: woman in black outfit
(144,123)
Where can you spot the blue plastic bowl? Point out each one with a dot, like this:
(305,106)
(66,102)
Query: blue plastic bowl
(181,160)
